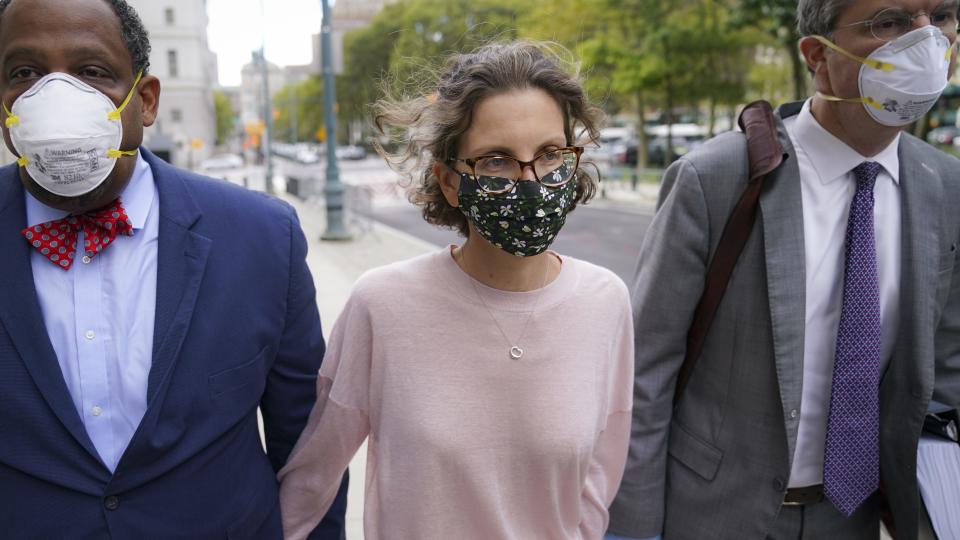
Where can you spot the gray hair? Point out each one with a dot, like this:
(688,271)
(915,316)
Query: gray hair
(818,17)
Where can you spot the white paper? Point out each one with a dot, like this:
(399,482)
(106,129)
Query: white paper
(938,472)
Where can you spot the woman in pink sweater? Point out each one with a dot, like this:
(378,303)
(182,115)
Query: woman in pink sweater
(493,380)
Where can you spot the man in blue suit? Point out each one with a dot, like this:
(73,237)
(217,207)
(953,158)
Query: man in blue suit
(145,312)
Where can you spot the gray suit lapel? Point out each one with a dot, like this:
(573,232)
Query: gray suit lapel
(781,212)
(921,191)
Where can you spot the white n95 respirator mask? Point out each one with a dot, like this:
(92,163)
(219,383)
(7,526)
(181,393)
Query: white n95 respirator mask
(901,80)
(67,134)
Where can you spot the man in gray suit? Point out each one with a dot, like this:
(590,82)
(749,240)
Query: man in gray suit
(842,316)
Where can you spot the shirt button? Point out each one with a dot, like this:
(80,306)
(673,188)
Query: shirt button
(86,259)
(90,334)
(96,410)
(794,413)
(111,502)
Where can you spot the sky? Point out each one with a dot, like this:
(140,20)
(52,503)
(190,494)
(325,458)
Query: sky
(237,26)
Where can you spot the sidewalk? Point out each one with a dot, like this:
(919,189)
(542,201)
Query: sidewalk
(622,196)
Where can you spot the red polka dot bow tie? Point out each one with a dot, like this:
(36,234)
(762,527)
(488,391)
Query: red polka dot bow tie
(57,240)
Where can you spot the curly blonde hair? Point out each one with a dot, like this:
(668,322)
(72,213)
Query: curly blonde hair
(428,127)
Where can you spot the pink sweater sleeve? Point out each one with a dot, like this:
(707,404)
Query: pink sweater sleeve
(610,450)
(337,426)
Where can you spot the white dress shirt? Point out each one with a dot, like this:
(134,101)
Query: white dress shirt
(99,316)
(827,186)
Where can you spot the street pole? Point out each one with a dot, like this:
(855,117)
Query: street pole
(332,189)
(293,114)
(267,141)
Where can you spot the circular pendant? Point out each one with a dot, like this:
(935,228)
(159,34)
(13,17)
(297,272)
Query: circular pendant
(516,352)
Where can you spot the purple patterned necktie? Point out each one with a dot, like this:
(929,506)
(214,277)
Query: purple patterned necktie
(851,466)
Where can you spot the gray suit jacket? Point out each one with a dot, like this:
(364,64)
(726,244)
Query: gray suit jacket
(718,465)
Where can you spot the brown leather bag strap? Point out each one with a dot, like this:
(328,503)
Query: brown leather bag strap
(765,154)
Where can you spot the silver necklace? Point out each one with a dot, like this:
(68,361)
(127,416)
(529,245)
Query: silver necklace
(516,351)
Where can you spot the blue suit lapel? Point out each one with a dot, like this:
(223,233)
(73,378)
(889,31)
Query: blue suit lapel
(181,261)
(20,310)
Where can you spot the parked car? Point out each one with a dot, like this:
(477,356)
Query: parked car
(657,150)
(221,162)
(943,135)
(306,155)
(611,143)
(351,151)
(283,149)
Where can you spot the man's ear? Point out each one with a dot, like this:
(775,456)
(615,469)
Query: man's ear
(815,56)
(814,53)
(449,183)
(149,99)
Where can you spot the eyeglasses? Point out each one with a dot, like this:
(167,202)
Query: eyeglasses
(499,174)
(891,23)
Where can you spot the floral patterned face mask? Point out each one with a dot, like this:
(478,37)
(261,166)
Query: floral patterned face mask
(523,221)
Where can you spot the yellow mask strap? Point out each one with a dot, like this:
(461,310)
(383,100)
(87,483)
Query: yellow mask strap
(115,115)
(115,154)
(875,64)
(869,101)
(12,119)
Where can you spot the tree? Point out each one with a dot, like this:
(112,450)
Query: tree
(643,55)
(298,110)
(655,52)
(366,58)
(779,19)
(434,29)
(225,116)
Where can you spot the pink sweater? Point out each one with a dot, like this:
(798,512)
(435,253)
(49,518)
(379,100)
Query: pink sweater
(465,442)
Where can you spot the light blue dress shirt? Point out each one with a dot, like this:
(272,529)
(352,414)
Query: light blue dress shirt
(99,317)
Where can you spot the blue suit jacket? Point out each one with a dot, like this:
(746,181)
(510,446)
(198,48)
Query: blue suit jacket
(236,328)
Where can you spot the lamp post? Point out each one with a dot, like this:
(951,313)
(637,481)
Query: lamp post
(267,140)
(332,189)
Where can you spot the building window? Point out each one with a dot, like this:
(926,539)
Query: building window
(168,16)
(172,63)
(176,115)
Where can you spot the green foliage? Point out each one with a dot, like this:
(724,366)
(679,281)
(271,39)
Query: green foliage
(636,55)
(298,111)
(225,116)
(367,52)
(778,19)
(433,29)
